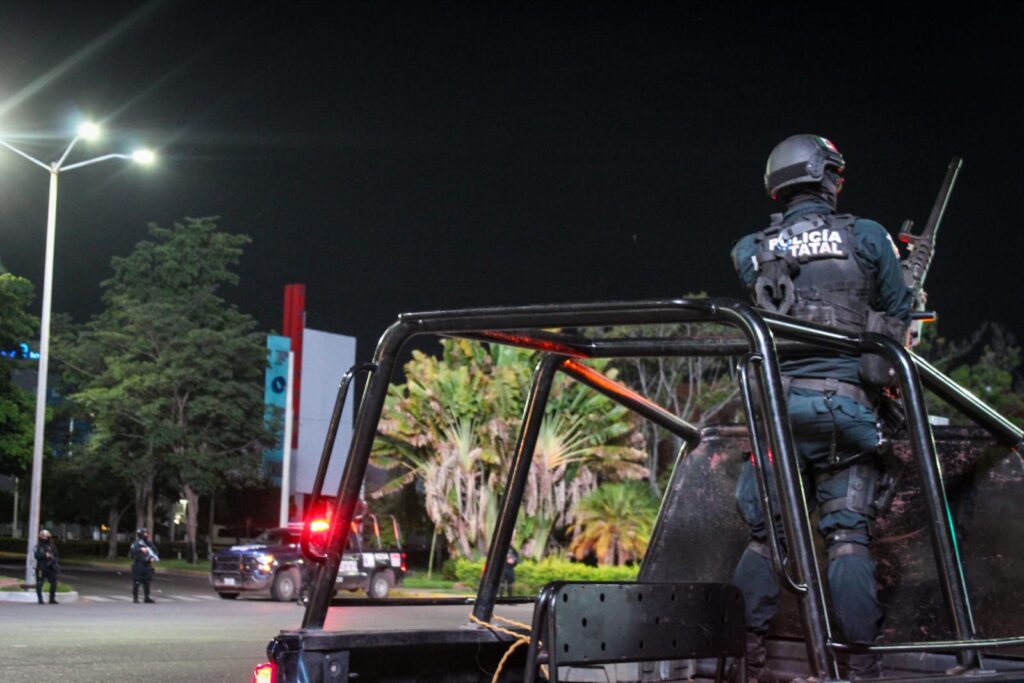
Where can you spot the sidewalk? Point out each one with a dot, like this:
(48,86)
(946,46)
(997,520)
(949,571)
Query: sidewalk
(30,594)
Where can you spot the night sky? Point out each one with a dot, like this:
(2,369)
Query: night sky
(398,157)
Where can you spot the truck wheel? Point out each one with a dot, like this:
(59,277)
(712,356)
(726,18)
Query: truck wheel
(380,585)
(228,596)
(286,585)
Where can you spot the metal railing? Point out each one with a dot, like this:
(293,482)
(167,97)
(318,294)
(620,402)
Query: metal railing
(794,561)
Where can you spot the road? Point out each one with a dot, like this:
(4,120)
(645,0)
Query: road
(189,635)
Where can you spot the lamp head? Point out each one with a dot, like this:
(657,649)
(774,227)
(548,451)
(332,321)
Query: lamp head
(89,131)
(144,156)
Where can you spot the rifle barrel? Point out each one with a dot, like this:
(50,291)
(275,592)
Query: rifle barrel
(945,190)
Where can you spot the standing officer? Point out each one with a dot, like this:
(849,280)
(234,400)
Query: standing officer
(842,271)
(143,556)
(47,566)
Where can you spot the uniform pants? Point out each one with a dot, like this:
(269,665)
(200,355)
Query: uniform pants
(141,575)
(48,574)
(851,578)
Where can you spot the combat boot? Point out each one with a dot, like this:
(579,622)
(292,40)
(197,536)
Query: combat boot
(865,667)
(757,659)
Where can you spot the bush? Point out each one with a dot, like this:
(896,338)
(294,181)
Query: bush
(532,576)
(449,569)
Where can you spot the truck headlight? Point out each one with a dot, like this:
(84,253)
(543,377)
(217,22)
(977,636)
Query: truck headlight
(265,563)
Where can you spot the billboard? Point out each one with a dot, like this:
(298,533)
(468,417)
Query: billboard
(325,359)
(275,395)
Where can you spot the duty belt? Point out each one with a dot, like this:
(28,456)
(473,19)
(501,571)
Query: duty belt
(833,387)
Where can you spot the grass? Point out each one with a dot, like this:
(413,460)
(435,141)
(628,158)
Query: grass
(200,567)
(16,588)
(414,579)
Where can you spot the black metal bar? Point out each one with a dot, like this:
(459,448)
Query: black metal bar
(561,315)
(538,340)
(931,645)
(540,625)
(811,333)
(636,347)
(761,466)
(969,404)
(646,348)
(944,544)
(355,470)
(413,602)
(325,455)
(632,400)
(565,315)
(787,477)
(533,415)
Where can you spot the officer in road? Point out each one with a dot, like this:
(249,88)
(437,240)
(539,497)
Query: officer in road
(47,566)
(843,271)
(143,556)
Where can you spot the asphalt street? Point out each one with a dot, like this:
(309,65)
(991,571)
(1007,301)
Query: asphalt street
(189,635)
(107,585)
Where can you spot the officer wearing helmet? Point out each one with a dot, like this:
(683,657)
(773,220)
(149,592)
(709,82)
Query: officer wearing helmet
(143,556)
(47,566)
(839,270)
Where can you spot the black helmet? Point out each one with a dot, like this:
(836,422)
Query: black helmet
(139,533)
(800,159)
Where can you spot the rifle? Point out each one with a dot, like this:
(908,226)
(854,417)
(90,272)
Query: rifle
(921,249)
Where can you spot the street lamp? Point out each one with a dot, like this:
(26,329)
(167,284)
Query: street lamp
(86,131)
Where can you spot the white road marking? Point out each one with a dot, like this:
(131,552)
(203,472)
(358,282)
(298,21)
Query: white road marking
(158,598)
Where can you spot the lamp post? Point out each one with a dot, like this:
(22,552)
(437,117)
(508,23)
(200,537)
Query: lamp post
(87,131)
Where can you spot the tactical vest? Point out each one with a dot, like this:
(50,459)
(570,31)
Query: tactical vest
(807,269)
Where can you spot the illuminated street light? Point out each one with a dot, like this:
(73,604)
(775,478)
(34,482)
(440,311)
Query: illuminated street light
(89,131)
(86,131)
(143,156)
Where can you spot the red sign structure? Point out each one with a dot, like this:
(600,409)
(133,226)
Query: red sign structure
(294,324)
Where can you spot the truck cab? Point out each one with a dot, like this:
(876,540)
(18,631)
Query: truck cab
(950,567)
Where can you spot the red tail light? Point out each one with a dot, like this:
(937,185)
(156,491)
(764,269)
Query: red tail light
(405,567)
(265,673)
(319,525)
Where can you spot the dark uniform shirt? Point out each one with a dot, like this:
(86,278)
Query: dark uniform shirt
(877,257)
(43,549)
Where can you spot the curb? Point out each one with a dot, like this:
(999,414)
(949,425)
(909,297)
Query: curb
(30,596)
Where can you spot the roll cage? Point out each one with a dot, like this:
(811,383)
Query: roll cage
(553,331)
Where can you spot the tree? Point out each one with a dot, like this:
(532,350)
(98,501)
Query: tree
(452,425)
(615,523)
(16,406)
(170,371)
(699,389)
(986,363)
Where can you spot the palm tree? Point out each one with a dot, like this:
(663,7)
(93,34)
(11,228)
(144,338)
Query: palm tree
(452,426)
(615,522)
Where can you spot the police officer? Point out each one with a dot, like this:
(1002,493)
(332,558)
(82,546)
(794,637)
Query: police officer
(143,556)
(839,270)
(47,566)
